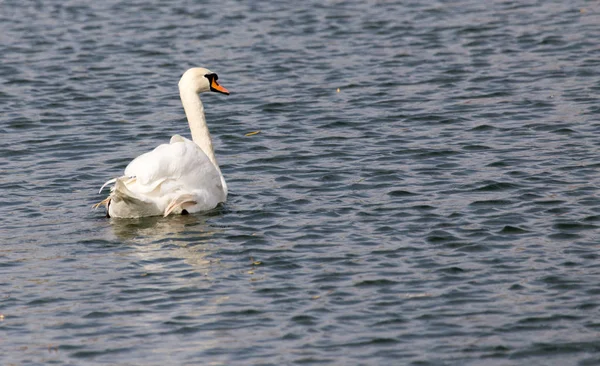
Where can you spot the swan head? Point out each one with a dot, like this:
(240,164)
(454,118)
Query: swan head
(200,80)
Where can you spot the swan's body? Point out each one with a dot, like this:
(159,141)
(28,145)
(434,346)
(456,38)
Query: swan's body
(179,177)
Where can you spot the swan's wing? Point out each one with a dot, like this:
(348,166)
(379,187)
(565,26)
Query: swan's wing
(180,160)
(177,168)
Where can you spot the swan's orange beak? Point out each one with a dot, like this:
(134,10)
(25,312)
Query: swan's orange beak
(214,86)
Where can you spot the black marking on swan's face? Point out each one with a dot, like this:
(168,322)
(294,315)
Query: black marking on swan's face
(214,84)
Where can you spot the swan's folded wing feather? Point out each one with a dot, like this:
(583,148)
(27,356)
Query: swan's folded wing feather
(179,165)
(183,201)
(110,181)
(169,160)
(177,138)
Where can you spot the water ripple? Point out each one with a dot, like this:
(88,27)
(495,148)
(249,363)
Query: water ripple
(423,187)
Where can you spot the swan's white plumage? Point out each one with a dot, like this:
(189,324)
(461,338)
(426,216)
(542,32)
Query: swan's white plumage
(176,176)
(164,175)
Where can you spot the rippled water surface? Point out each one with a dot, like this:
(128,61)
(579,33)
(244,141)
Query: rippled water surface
(441,208)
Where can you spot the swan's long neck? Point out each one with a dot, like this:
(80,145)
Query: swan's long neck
(194,110)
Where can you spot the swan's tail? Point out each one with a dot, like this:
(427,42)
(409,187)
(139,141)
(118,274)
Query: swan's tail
(122,202)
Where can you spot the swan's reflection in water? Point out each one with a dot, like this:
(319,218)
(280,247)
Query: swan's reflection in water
(158,240)
(180,250)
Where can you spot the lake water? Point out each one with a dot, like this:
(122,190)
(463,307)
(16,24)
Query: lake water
(441,208)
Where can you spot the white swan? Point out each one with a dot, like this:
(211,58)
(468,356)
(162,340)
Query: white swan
(180,177)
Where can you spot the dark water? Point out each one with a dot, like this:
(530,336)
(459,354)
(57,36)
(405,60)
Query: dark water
(442,208)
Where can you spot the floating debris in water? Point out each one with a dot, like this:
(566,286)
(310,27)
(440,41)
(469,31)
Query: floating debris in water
(252,133)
